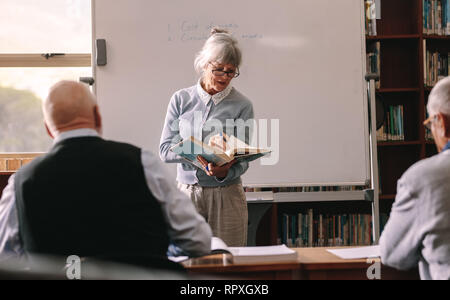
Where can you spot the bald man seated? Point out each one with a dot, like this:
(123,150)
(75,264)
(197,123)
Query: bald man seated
(95,198)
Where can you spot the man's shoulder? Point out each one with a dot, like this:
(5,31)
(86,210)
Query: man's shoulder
(121,145)
(33,165)
(93,143)
(429,169)
(109,148)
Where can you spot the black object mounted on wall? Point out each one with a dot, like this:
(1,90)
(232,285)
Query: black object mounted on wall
(88,80)
(101,57)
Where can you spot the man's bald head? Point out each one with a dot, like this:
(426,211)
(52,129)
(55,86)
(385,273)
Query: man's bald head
(70,105)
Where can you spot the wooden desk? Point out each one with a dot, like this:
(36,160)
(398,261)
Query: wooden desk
(319,264)
(221,264)
(311,264)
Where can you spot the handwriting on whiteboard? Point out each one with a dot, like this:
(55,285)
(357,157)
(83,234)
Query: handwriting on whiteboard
(191,31)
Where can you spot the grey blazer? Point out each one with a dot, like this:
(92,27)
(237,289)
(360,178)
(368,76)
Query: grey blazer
(418,230)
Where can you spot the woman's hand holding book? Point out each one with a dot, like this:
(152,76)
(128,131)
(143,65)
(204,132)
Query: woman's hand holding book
(213,170)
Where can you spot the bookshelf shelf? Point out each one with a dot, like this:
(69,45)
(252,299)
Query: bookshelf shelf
(399,143)
(437,37)
(387,197)
(390,37)
(398,90)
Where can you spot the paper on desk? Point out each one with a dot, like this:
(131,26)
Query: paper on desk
(261,250)
(356,253)
(178,259)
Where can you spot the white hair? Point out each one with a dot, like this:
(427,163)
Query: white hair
(222,48)
(439,99)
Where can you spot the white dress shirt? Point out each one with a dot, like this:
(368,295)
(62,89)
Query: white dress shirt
(187,229)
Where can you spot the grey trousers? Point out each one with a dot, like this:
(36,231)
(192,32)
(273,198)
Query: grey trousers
(224,208)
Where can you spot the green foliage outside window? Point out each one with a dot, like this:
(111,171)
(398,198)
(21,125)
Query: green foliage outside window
(21,122)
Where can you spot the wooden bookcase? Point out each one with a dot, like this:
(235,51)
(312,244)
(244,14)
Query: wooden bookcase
(401,37)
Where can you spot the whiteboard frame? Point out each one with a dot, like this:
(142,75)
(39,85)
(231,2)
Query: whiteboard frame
(94,50)
(369,166)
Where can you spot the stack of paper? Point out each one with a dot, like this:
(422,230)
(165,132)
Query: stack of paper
(356,253)
(262,254)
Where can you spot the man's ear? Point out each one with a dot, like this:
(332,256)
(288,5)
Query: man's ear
(48,131)
(446,124)
(97,119)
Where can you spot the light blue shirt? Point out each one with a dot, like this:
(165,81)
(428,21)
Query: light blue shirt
(187,229)
(193,112)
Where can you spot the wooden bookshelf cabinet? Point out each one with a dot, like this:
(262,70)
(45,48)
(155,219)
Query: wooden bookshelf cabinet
(401,38)
(269,227)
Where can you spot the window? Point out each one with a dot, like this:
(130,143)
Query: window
(30,29)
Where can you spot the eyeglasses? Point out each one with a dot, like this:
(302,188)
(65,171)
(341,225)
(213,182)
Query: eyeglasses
(221,72)
(429,121)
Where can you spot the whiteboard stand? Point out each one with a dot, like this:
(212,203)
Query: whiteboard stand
(375,184)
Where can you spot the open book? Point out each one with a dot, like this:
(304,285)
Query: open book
(190,148)
(250,255)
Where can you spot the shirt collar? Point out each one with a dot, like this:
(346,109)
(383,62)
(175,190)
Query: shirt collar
(217,98)
(74,134)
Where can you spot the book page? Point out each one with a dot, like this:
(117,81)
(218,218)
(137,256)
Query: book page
(178,259)
(218,244)
(236,147)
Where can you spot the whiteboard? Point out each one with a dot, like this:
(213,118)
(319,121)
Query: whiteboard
(303,65)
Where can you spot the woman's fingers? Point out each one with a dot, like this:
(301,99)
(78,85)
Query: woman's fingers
(202,161)
(213,170)
(208,167)
(210,170)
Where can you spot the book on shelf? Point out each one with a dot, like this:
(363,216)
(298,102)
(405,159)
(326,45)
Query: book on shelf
(370,17)
(234,148)
(306,189)
(373,60)
(436,17)
(436,66)
(325,230)
(249,255)
(393,127)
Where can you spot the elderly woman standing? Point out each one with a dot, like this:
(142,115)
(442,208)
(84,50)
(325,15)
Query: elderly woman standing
(198,111)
